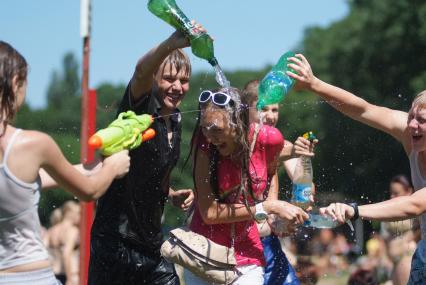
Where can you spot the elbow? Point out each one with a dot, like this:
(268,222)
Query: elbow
(88,196)
(209,218)
(415,209)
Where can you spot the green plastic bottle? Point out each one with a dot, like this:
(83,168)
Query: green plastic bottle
(276,84)
(201,43)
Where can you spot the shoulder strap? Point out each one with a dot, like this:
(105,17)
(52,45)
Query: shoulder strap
(9,144)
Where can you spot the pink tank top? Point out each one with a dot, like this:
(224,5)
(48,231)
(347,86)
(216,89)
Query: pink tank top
(247,244)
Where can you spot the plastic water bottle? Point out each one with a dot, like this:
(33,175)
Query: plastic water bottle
(302,179)
(276,84)
(324,222)
(201,43)
(320,222)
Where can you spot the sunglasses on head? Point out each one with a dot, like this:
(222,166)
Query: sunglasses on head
(218,98)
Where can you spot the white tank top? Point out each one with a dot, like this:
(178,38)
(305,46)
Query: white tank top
(418,182)
(20,240)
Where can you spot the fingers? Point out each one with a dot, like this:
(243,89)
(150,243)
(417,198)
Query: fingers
(303,146)
(337,211)
(198,26)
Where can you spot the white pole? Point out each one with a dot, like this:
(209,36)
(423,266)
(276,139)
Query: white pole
(85,18)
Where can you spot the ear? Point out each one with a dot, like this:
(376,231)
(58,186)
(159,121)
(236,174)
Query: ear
(15,84)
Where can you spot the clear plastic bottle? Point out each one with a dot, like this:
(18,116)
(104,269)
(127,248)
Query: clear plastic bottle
(276,84)
(302,179)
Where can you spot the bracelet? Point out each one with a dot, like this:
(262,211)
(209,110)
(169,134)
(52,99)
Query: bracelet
(356,211)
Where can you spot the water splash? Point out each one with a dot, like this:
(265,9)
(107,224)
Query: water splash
(220,77)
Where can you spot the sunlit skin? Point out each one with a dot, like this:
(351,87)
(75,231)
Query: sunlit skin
(417,127)
(215,127)
(172,87)
(270,114)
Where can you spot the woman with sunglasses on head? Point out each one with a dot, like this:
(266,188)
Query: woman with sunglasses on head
(23,154)
(231,159)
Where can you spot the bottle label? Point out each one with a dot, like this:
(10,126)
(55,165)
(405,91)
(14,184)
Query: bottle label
(301,193)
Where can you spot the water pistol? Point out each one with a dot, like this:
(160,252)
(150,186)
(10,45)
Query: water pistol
(128,131)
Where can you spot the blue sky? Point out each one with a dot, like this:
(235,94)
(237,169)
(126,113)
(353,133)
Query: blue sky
(248,33)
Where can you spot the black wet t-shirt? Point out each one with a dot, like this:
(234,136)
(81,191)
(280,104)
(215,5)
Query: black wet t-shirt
(132,207)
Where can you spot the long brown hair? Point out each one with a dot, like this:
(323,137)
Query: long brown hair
(12,64)
(239,120)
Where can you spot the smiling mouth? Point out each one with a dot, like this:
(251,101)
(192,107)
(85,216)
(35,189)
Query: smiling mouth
(417,137)
(174,97)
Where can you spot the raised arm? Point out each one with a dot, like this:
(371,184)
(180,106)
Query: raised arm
(85,188)
(387,120)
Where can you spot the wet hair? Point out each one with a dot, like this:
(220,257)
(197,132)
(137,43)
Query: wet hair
(404,181)
(250,91)
(420,99)
(238,120)
(12,64)
(178,59)
(363,277)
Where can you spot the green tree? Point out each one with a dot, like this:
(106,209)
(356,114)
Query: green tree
(377,52)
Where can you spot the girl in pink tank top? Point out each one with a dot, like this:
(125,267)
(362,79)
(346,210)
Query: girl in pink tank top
(229,181)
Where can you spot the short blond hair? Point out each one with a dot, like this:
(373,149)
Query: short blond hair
(178,59)
(420,100)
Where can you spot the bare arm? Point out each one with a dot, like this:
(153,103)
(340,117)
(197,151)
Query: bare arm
(274,188)
(396,209)
(213,212)
(85,188)
(146,67)
(47,181)
(387,120)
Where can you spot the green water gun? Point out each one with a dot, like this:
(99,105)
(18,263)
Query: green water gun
(128,131)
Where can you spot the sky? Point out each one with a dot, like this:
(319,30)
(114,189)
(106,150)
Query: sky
(248,34)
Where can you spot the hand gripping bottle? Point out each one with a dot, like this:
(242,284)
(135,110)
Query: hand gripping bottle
(276,84)
(128,131)
(302,179)
(201,43)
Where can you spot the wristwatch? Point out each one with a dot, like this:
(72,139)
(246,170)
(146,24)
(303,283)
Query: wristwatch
(356,211)
(260,215)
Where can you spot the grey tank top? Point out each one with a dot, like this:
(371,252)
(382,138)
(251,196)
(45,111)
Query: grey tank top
(418,182)
(20,240)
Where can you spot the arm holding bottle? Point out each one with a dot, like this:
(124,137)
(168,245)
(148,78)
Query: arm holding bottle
(148,65)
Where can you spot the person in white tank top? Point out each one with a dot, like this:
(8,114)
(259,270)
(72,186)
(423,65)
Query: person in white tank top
(28,161)
(408,128)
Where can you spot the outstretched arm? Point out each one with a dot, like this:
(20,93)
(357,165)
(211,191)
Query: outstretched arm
(396,209)
(48,182)
(387,120)
(85,188)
